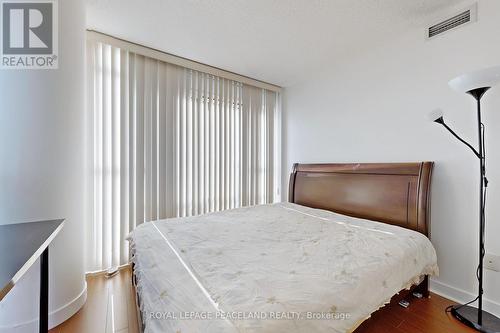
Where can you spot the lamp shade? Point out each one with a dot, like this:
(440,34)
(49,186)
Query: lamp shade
(487,77)
(435,115)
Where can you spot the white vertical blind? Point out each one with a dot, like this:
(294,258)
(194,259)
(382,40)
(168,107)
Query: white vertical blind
(168,142)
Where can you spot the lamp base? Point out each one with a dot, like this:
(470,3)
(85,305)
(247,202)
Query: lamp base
(468,316)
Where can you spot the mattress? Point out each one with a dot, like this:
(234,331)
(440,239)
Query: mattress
(272,268)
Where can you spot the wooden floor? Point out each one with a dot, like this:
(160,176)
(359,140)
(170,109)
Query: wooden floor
(110,308)
(423,316)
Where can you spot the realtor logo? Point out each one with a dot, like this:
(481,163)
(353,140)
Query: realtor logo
(29,34)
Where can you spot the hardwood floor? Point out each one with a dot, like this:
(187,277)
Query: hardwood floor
(110,308)
(423,316)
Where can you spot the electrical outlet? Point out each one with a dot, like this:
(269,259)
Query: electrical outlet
(492,262)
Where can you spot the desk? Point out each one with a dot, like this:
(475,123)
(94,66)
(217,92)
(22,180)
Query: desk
(20,246)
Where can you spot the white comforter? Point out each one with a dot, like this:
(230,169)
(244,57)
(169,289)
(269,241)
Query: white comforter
(272,268)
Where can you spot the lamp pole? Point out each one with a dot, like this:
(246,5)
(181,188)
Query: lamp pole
(473,317)
(483,182)
(476,84)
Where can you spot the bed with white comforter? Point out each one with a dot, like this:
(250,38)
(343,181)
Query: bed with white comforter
(272,268)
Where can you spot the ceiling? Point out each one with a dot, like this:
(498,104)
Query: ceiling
(277,41)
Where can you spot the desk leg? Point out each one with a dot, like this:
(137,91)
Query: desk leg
(44,292)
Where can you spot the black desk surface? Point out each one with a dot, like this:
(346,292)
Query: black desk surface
(20,245)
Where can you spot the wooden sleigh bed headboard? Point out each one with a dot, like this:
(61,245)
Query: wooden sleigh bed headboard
(394,193)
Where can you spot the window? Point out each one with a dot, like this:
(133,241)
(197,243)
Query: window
(169,141)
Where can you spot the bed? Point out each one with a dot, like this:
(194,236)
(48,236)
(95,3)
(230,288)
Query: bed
(350,238)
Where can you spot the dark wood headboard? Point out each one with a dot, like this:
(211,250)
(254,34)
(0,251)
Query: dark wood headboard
(394,193)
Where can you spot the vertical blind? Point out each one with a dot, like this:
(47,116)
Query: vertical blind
(167,141)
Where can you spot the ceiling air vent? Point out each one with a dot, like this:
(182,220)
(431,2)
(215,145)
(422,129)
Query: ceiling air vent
(463,17)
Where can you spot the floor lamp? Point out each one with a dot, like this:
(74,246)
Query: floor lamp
(476,84)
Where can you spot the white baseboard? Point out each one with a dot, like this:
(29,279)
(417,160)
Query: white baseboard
(461,296)
(56,317)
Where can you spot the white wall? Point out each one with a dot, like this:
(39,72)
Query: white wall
(41,170)
(372,108)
